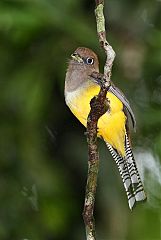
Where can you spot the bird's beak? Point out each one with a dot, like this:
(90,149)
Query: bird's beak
(77,58)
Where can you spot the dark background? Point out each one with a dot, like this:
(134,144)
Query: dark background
(43,149)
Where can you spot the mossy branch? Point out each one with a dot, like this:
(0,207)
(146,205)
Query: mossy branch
(99,105)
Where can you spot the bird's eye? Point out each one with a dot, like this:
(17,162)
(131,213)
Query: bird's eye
(90,61)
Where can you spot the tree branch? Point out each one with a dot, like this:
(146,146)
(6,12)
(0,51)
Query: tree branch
(99,105)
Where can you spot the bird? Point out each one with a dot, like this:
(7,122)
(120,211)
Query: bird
(82,83)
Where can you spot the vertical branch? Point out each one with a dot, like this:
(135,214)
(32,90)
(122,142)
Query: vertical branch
(110,54)
(99,105)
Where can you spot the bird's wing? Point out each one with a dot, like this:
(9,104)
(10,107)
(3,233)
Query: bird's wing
(97,77)
(118,93)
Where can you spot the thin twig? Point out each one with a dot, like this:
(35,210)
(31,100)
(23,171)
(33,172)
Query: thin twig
(99,105)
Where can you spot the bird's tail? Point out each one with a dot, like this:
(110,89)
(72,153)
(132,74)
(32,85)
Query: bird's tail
(129,174)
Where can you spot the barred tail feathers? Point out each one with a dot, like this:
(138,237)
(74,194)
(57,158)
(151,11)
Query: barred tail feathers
(122,166)
(129,174)
(134,174)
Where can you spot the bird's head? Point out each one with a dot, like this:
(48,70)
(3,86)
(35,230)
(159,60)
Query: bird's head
(86,59)
(82,64)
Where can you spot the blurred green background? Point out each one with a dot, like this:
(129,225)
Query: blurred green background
(43,149)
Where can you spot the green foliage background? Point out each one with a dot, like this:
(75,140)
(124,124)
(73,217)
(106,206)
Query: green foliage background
(43,150)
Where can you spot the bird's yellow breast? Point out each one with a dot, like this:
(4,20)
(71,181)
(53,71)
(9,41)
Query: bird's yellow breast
(111,126)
